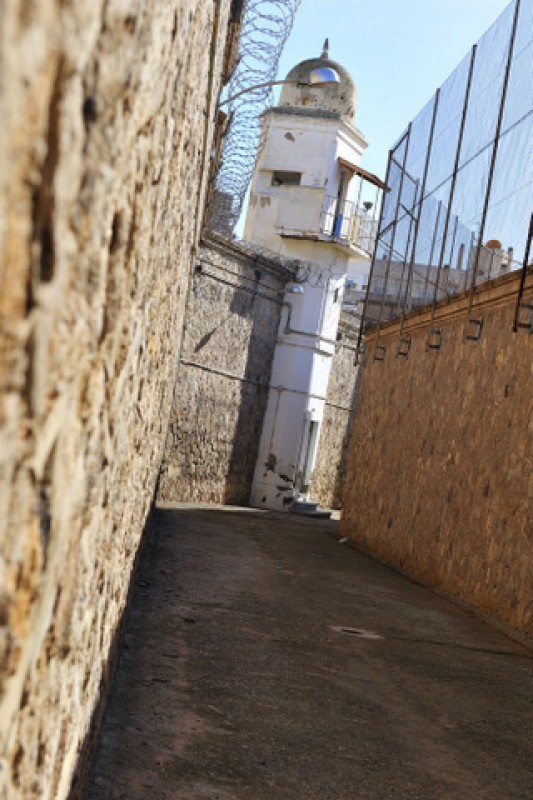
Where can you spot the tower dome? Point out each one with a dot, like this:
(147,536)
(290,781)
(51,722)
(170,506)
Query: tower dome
(338,98)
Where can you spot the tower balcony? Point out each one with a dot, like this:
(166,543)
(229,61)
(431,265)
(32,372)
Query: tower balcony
(346,224)
(305,214)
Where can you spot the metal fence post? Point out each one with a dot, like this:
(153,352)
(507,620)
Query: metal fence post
(412,222)
(371,273)
(377,346)
(458,149)
(469,319)
(518,323)
(408,287)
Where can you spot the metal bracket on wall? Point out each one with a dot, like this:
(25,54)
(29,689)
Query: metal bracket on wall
(521,304)
(434,341)
(520,321)
(404,345)
(379,352)
(359,354)
(475,334)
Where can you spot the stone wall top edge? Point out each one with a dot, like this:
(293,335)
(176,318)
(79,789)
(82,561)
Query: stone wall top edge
(279,268)
(348,323)
(491,294)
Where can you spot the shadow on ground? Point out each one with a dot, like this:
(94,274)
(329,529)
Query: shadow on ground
(264,660)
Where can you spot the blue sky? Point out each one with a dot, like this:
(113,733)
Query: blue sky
(397,51)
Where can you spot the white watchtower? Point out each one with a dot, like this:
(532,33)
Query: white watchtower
(306,203)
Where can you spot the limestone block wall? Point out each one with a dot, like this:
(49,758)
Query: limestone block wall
(105,132)
(440,478)
(229,337)
(330,467)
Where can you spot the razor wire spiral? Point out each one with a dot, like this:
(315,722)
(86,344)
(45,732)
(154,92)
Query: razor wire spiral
(266,27)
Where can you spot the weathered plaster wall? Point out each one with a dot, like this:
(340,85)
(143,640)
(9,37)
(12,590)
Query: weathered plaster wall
(330,467)
(231,327)
(105,110)
(440,479)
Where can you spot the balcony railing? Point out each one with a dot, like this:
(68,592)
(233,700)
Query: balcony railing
(346,223)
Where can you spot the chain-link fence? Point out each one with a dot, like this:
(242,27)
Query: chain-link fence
(459,202)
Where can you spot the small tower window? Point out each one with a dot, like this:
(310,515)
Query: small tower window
(286,178)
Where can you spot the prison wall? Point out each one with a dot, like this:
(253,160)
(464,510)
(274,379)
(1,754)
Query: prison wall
(327,480)
(439,480)
(229,337)
(106,111)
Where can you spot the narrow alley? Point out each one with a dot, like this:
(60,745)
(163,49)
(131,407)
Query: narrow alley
(265,659)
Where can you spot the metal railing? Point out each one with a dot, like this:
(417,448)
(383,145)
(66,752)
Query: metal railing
(344,222)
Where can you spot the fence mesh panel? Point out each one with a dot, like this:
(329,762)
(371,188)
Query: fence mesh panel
(460,197)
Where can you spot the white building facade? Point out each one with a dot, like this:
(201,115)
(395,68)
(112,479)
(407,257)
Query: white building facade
(306,203)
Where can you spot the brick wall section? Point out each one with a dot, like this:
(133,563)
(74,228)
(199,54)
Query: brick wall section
(329,472)
(229,338)
(105,110)
(439,479)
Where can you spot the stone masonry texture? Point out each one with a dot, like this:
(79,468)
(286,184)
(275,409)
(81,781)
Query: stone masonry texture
(106,111)
(440,479)
(229,339)
(231,327)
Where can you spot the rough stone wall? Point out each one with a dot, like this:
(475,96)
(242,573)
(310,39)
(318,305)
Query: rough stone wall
(231,327)
(105,112)
(440,478)
(330,467)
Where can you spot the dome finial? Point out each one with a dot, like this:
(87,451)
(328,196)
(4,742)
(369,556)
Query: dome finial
(325,50)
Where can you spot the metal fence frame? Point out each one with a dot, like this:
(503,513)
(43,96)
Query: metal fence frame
(395,213)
